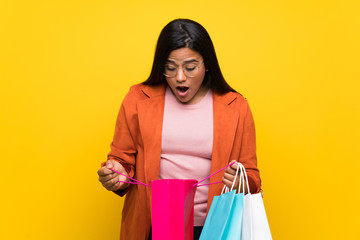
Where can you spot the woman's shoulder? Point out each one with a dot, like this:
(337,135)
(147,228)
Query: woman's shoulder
(239,103)
(141,92)
(231,99)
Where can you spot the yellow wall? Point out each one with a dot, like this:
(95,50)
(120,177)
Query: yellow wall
(66,65)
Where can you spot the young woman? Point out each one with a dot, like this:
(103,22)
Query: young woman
(183,122)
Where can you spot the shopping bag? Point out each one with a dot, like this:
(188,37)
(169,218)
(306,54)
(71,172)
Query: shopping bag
(173,209)
(234,224)
(224,220)
(255,224)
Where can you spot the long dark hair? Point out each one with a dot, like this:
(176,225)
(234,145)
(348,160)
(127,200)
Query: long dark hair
(182,33)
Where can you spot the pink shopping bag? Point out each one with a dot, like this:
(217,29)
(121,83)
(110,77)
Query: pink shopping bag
(173,209)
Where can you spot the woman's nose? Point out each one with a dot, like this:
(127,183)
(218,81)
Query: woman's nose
(180,75)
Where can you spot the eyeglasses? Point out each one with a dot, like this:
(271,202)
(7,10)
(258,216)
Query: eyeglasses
(189,69)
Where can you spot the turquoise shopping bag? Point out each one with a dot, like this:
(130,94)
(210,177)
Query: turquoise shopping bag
(234,224)
(218,216)
(224,220)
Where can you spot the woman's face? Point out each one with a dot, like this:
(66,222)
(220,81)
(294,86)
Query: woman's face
(184,72)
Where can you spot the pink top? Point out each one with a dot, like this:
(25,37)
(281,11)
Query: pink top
(186,147)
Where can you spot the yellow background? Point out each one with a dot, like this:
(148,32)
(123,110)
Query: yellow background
(66,65)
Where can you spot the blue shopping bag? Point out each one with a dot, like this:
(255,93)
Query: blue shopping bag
(224,220)
(218,216)
(234,224)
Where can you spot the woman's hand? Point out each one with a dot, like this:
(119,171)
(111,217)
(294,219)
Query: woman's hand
(109,179)
(229,177)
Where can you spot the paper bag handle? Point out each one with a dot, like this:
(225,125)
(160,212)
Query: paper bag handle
(244,176)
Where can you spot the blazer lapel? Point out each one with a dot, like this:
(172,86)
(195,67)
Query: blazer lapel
(225,125)
(150,113)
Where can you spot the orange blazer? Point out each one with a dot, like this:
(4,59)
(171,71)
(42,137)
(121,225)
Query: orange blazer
(137,145)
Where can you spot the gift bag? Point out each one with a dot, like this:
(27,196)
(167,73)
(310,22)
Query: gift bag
(172,210)
(224,220)
(255,223)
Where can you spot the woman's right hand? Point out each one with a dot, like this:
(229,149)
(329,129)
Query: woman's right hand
(109,179)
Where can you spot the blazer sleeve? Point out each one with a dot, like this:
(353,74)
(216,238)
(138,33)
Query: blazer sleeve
(123,148)
(248,151)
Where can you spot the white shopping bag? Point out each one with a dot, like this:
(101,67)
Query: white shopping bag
(255,224)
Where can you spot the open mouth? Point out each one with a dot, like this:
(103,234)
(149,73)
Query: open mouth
(182,89)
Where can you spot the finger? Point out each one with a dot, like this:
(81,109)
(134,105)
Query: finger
(229,177)
(123,178)
(105,178)
(114,187)
(227,182)
(230,183)
(119,168)
(110,184)
(232,167)
(109,164)
(233,163)
(230,171)
(104,171)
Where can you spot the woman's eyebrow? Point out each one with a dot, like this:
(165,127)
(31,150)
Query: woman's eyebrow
(188,61)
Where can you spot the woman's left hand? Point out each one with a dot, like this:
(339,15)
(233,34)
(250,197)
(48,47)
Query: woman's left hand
(229,176)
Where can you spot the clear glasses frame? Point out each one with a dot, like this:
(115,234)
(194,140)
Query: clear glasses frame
(191,72)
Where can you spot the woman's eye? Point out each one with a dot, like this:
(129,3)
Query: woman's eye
(170,68)
(190,67)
